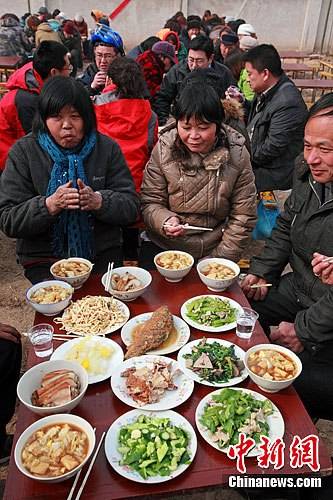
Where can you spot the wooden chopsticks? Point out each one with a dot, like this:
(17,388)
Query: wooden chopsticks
(257,285)
(85,479)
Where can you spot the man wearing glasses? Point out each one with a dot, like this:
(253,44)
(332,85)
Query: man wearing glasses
(108,45)
(200,55)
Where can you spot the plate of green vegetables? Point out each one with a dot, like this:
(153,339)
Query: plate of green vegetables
(150,447)
(213,362)
(223,414)
(210,313)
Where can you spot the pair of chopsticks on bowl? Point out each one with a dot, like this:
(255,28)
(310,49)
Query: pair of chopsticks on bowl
(188,226)
(108,286)
(85,479)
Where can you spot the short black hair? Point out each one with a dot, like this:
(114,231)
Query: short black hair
(264,56)
(325,102)
(127,75)
(204,77)
(202,42)
(199,101)
(173,26)
(58,92)
(149,42)
(49,55)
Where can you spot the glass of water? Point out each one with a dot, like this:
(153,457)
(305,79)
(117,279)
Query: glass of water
(246,319)
(41,337)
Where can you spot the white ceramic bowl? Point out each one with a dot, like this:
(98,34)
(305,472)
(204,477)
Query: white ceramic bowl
(143,275)
(49,309)
(47,421)
(174,275)
(75,281)
(273,385)
(217,285)
(31,380)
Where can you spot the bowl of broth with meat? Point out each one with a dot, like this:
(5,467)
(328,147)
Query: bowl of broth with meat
(272,367)
(218,274)
(54,448)
(74,271)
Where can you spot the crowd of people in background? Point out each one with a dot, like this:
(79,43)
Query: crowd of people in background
(190,126)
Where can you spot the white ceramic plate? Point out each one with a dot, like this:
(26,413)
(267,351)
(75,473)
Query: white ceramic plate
(169,399)
(180,325)
(123,308)
(275,421)
(115,360)
(187,349)
(111,444)
(204,328)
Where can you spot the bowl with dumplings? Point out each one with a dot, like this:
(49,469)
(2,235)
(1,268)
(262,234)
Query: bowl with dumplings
(74,271)
(218,274)
(173,265)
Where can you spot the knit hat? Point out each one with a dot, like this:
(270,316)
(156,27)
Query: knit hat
(229,39)
(248,42)
(43,10)
(246,29)
(165,49)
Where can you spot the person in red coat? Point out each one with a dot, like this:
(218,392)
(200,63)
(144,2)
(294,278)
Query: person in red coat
(124,115)
(155,62)
(18,106)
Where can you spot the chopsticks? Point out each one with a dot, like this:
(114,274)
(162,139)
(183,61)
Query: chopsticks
(59,336)
(328,259)
(85,479)
(188,226)
(257,285)
(76,480)
(109,276)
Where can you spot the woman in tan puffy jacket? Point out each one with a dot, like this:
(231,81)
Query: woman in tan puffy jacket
(199,173)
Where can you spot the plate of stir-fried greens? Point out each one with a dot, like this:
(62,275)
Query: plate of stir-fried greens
(213,362)
(223,414)
(211,313)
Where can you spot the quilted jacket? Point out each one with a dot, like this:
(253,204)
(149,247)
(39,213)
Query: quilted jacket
(215,190)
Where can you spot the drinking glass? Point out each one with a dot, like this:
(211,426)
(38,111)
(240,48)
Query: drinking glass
(246,319)
(41,337)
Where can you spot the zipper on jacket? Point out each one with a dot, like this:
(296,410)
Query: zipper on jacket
(315,192)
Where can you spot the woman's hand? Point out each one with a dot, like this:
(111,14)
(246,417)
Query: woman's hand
(323,270)
(254,293)
(173,228)
(64,198)
(285,334)
(8,332)
(89,199)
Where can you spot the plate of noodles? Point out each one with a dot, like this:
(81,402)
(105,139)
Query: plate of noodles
(94,315)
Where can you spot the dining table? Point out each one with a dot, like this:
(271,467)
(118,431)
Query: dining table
(297,68)
(210,467)
(320,85)
(8,64)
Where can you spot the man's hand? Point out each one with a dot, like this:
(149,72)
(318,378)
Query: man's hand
(64,198)
(173,228)
(89,199)
(323,270)
(285,335)
(254,293)
(8,332)
(99,80)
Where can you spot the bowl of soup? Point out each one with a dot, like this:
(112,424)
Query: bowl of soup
(173,265)
(272,367)
(127,282)
(74,271)
(218,274)
(50,297)
(54,448)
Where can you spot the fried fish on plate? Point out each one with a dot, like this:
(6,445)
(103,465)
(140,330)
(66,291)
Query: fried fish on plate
(152,333)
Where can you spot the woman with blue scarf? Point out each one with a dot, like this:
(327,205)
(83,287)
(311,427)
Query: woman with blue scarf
(66,189)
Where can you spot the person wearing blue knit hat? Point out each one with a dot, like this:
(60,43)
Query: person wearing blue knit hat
(107,45)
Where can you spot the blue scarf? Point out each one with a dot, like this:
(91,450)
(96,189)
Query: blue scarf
(73,229)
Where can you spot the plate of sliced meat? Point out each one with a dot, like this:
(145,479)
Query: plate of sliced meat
(158,332)
(151,383)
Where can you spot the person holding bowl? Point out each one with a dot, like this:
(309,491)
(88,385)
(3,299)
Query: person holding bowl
(66,190)
(199,173)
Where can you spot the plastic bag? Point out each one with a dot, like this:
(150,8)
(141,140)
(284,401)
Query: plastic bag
(266,221)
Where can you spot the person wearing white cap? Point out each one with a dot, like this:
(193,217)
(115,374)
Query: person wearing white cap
(247,42)
(246,30)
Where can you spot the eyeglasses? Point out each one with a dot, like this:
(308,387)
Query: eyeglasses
(107,57)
